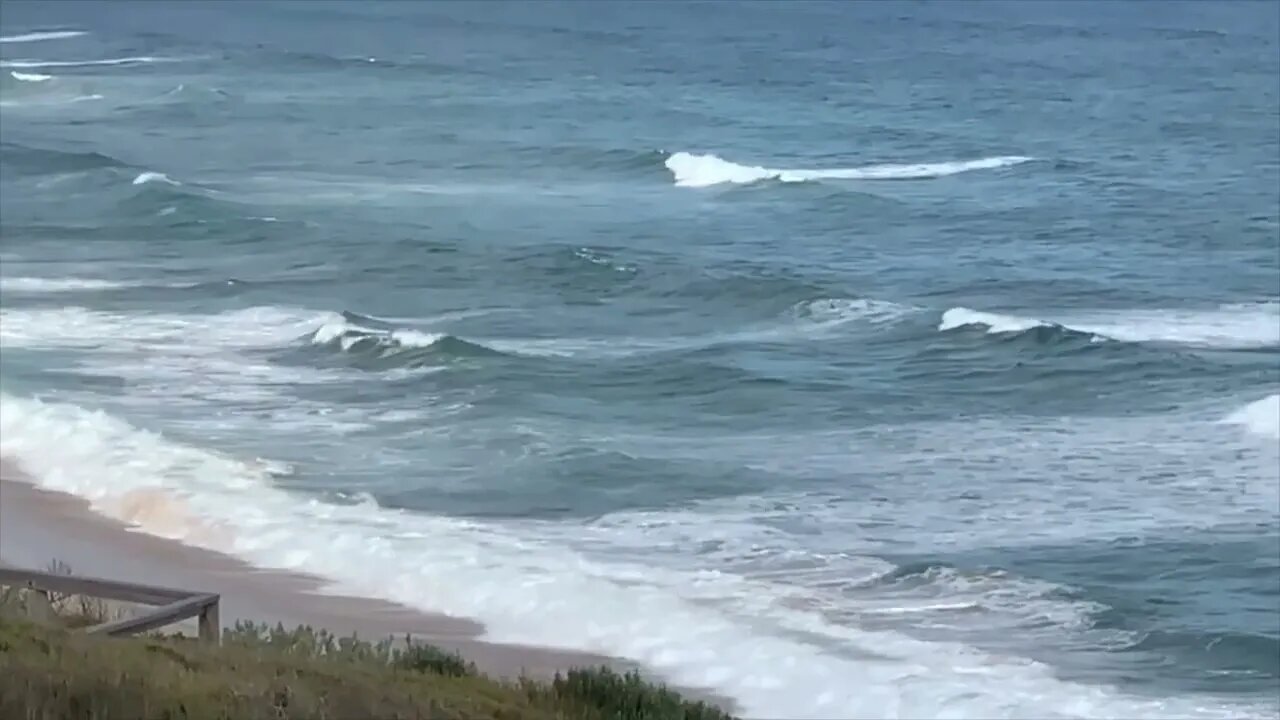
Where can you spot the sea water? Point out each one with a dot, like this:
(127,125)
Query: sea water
(848,359)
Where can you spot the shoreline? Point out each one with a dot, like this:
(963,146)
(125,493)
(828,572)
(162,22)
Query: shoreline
(38,526)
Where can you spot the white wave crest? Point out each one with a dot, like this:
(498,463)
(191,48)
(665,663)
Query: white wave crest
(671,621)
(347,334)
(994,322)
(139,60)
(30,77)
(692,170)
(1234,326)
(148,177)
(39,36)
(1261,417)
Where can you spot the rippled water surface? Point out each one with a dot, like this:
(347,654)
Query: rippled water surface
(850,359)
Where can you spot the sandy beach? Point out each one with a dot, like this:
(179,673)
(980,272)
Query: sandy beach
(38,526)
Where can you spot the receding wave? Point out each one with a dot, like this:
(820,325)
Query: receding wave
(41,36)
(1230,327)
(692,170)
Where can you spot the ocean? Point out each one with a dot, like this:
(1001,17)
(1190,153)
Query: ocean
(849,359)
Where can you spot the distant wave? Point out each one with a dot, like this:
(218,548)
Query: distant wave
(1239,326)
(39,36)
(1261,417)
(30,77)
(692,170)
(140,60)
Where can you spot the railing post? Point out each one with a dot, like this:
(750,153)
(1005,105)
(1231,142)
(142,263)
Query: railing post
(210,625)
(39,606)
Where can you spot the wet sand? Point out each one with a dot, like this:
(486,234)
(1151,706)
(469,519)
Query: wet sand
(38,526)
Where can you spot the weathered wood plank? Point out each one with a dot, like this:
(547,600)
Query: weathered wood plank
(157,618)
(96,587)
(210,624)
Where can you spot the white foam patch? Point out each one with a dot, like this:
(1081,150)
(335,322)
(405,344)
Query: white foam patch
(692,170)
(1261,417)
(838,311)
(185,359)
(71,327)
(1234,326)
(55,285)
(36,64)
(30,77)
(42,36)
(537,592)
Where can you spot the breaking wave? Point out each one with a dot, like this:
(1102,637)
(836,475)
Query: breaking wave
(1238,326)
(692,170)
(1261,417)
(352,334)
(737,637)
(148,177)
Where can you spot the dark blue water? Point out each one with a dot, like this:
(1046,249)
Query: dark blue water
(850,359)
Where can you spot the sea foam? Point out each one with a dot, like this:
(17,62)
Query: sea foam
(665,619)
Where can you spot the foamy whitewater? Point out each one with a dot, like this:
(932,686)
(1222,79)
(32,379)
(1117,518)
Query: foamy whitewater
(705,170)
(930,384)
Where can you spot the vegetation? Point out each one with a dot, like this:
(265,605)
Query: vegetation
(48,670)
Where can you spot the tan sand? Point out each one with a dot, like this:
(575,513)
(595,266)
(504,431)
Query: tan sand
(37,526)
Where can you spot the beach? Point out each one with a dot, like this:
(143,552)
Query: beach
(38,526)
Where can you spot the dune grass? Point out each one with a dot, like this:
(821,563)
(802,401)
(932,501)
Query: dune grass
(50,670)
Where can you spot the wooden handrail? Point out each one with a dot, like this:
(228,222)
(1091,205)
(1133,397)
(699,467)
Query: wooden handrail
(174,605)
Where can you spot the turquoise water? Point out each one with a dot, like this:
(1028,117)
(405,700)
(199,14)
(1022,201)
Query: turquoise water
(850,359)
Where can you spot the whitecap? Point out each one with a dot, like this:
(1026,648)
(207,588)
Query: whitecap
(30,77)
(692,170)
(40,36)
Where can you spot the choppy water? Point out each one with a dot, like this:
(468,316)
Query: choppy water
(851,359)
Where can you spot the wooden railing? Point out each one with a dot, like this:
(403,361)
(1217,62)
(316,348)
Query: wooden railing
(172,605)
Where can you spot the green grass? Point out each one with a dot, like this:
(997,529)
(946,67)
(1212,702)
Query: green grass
(50,671)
